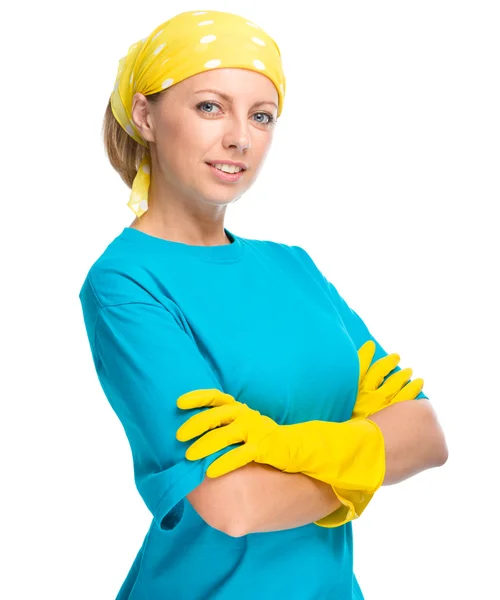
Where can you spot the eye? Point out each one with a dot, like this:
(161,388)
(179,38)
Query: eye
(213,105)
(209,104)
(270,119)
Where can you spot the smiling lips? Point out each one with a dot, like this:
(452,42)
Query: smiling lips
(225,176)
(230,163)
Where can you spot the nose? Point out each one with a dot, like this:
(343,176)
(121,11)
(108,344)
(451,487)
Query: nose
(237,133)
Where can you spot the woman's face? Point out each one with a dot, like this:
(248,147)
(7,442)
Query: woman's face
(190,127)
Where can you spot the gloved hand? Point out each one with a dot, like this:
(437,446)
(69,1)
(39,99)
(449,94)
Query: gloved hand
(349,456)
(372,396)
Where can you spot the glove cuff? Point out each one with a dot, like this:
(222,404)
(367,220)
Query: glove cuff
(360,477)
(363,460)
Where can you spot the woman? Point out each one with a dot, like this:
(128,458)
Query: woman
(183,316)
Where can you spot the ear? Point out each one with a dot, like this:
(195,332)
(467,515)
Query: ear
(142,117)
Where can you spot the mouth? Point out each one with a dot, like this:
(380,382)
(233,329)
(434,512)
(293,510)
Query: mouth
(224,176)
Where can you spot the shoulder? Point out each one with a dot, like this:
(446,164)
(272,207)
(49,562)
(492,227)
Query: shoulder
(117,277)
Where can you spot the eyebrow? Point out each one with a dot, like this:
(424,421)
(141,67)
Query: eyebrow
(229,99)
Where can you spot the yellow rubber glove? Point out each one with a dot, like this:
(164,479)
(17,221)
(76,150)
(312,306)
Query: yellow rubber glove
(372,396)
(349,456)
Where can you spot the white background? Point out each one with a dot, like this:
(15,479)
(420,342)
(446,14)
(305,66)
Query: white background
(385,168)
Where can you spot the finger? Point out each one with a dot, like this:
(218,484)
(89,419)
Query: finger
(393,384)
(200,398)
(232,460)
(216,440)
(365,355)
(379,370)
(409,391)
(206,420)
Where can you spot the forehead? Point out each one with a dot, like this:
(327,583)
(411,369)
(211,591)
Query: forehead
(234,82)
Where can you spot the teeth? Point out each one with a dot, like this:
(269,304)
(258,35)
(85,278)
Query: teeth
(228,168)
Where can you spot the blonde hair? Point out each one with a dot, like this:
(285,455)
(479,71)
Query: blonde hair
(123,152)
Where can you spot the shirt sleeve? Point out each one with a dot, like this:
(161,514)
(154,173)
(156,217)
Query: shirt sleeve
(145,360)
(354,324)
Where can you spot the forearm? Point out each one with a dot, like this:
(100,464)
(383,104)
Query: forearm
(414,440)
(258,498)
(278,500)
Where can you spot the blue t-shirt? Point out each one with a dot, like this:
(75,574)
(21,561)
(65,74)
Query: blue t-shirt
(257,320)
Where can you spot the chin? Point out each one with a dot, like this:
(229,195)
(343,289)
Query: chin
(221,201)
(223,197)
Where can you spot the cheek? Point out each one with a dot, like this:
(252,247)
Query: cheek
(262,146)
(177,147)
(193,141)
(263,140)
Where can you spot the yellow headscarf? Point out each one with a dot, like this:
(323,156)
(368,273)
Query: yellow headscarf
(187,44)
